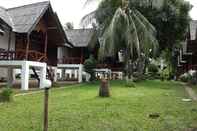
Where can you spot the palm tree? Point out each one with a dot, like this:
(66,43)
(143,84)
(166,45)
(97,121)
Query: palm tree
(128,30)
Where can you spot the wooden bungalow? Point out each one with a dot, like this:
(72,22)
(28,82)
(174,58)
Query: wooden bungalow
(83,43)
(34,40)
(188,53)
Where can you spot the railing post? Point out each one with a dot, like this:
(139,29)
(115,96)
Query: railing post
(27,46)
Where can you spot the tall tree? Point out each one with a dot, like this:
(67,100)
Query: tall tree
(127,29)
(169,17)
(69,25)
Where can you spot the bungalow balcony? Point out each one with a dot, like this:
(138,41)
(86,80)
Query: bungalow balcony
(71,60)
(31,55)
(113,67)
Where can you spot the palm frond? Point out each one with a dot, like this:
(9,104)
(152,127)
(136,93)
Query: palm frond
(133,39)
(87,2)
(147,40)
(148,25)
(112,36)
(88,19)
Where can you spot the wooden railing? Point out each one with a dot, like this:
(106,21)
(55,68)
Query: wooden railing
(21,55)
(191,67)
(70,60)
(113,67)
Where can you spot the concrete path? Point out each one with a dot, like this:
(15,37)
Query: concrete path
(40,91)
(191,93)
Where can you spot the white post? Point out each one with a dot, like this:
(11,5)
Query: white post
(70,74)
(14,75)
(63,74)
(25,76)
(42,75)
(76,72)
(80,73)
(55,74)
(10,77)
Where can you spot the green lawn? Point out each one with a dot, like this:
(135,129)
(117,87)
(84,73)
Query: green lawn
(78,108)
(195,89)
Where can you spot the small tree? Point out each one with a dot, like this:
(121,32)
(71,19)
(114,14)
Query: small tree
(69,26)
(6,95)
(90,65)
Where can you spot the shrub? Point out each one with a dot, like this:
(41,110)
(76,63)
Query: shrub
(130,84)
(138,77)
(186,77)
(152,68)
(6,95)
(90,65)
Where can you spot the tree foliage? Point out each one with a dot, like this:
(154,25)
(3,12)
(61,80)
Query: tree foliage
(69,25)
(169,17)
(90,65)
(124,28)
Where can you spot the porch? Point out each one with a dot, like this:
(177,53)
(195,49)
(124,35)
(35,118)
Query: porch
(25,67)
(32,55)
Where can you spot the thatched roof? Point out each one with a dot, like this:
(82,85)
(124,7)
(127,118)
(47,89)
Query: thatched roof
(25,17)
(80,37)
(4,16)
(193,30)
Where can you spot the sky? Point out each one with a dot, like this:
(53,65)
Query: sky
(73,10)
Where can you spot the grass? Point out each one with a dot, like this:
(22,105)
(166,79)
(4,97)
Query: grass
(194,87)
(78,108)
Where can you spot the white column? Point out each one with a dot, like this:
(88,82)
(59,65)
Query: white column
(70,74)
(25,76)
(76,74)
(14,75)
(10,77)
(42,75)
(63,74)
(55,74)
(80,73)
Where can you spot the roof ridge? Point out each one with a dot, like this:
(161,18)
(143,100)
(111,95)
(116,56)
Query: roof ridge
(26,5)
(80,29)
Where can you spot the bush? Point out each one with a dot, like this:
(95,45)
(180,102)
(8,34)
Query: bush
(90,65)
(186,77)
(130,84)
(138,77)
(6,95)
(152,68)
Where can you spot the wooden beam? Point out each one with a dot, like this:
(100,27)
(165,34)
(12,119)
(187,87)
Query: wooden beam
(52,28)
(27,46)
(46,44)
(9,43)
(81,56)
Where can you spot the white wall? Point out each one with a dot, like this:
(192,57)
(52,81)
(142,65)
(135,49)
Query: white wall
(4,45)
(62,52)
(4,40)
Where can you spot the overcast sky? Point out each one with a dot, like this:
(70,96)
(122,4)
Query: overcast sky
(72,10)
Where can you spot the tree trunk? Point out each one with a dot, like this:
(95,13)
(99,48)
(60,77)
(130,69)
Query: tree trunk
(104,88)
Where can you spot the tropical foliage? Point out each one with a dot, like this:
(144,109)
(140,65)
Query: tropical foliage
(127,29)
(90,65)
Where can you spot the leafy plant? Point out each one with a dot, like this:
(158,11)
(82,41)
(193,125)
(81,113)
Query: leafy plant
(90,65)
(127,29)
(6,95)
(130,84)
(186,77)
(152,68)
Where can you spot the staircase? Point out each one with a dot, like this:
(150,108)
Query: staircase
(50,74)
(36,75)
